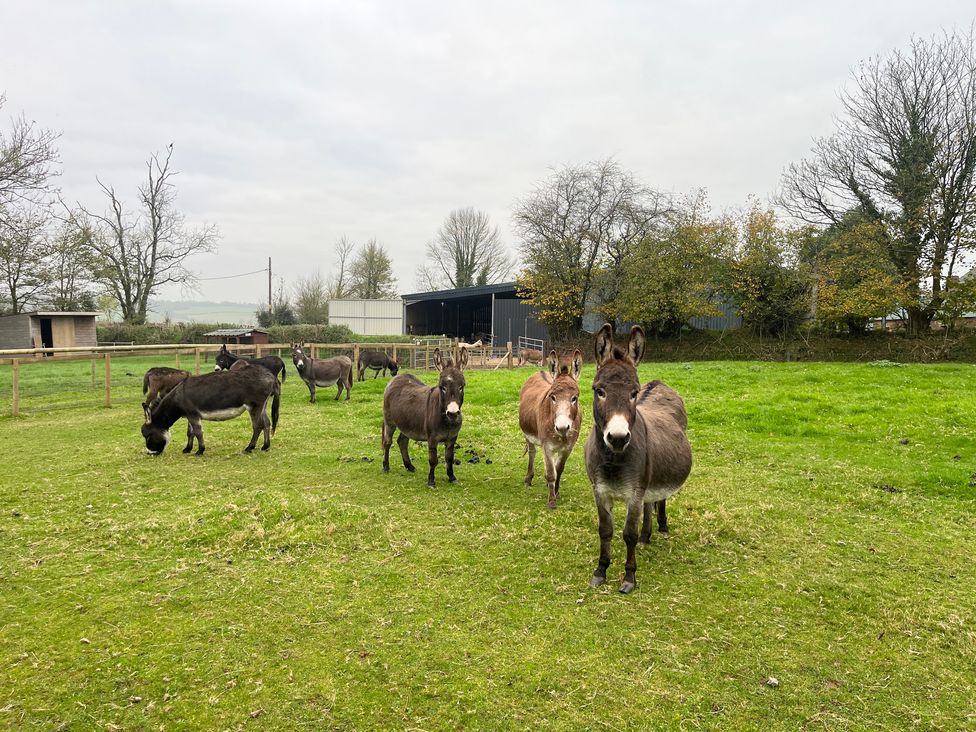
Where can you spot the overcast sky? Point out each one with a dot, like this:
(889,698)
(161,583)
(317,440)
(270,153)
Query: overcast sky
(295,123)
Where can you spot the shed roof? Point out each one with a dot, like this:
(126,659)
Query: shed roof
(234,332)
(458,293)
(49,313)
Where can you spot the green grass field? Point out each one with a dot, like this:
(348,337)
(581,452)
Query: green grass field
(303,588)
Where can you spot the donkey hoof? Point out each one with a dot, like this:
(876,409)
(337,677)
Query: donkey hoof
(248,450)
(597,580)
(386,468)
(410,468)
(527,482)
(626,587)
(186,450)
(552,505)
(644,540)
(430,484)
(265,448)
(664,534)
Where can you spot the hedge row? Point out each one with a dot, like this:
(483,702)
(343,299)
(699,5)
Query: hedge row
(153,333)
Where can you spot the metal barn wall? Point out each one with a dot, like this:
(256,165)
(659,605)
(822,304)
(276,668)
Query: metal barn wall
(728,320)
(368,317)
(513,318)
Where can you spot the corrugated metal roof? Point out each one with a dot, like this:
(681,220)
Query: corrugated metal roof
(456,294)
(234,332)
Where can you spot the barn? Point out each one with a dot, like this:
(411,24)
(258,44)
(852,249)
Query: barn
(368,317)
(492,313)
(48,329)
(240,336)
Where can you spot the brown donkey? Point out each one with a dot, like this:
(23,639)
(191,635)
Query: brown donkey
(549,416)
(421,412)
(637,451)
(322,371)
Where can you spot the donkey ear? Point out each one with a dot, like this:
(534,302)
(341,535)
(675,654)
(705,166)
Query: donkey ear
(603,348)
(553,362)
(636,345)
(438,361)
(577,364)
(463,359)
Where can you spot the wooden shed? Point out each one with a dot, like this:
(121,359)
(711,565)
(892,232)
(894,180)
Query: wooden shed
(48,329)
(240,336)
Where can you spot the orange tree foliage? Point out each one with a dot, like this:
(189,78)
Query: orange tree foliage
(557,303)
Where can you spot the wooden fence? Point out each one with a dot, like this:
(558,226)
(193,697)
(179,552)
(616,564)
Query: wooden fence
(418,356)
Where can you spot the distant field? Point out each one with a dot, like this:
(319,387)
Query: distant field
(826,538)
(192,311)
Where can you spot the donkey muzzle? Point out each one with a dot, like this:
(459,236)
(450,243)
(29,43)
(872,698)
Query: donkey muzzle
(617,434)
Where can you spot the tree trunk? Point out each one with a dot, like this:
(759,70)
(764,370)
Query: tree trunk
(919,321)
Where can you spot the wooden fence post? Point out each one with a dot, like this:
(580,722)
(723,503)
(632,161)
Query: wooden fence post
(394,352)
(15,377)
(427,358)
(355,356)
(196,353)
(257,350)
(509,346)
(177,358)
(315,352)
(108,380)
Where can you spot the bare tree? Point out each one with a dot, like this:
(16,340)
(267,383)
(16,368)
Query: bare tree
(311,299)
(28,157)
(577,225)
(904,157)
(338,285)
(23,252)
(466,251)
(138,255)
(371,272)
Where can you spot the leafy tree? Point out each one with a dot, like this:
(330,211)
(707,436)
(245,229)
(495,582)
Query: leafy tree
(281,311)
(70,270)
(903,155)
(764,279)
(854,281)
(960,298)
(673,273)
(466,251)
(311,299)
(577,228)
(24,248)
(371,273)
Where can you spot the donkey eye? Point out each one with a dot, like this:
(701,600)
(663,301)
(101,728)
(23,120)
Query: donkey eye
(553,397)
(633,394)
(600,393)
(574,400)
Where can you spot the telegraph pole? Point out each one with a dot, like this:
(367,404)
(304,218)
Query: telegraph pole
(269,284)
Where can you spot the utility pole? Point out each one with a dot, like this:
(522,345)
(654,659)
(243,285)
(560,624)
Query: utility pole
(269,284)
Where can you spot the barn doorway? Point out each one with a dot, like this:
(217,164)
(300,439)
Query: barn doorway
(47,335)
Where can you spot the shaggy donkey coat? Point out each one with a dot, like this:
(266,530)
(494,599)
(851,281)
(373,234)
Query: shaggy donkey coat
(427,413)
(322,371)
(549,416)
(637,451)
(158,381)
(378,361)
(225,359)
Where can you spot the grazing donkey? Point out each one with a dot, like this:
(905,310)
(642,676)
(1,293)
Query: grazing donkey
(637,451)
(378,361)
(549,416)
(529,355)
(322,371)
(217,396)
(225,359)
(421,412)
(158,381)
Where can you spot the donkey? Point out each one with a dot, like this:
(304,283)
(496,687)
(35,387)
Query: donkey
(322,371)
(421,412)
(157,383)
(549,416)
(378,361)
(217,396)
(529,355)
(637,451)
(225,359)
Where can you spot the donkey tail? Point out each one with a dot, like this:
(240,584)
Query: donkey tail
(283,370)
(145,383)
(275,404)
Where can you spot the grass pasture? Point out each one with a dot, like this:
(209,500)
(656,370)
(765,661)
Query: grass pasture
(302,588)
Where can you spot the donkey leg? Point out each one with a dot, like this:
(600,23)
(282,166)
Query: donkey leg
(431,460)
(550,477)
(189,437)
(257,424)
(348,386)
(311,391)
(404,443)
(449,459)
(604,511)
(339,387)
(530,473)
(645,534)
(634,509)
(662,519)
(198,431)
(266,426)
(387,441)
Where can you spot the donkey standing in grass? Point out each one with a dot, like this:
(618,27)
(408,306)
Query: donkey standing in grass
(225,359)
(421,412)
(637,451)
(378,361)
(549,416)
(217,396)
(322,371)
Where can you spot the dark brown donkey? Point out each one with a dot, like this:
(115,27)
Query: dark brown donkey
(158,381)
(322,371)
(549,417)
(421,412)
(378,361)
(217,396)
(637,451)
